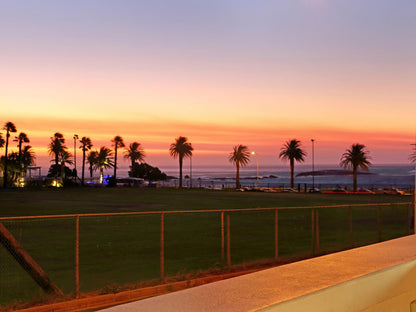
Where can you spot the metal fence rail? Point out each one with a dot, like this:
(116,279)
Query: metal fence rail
(104,251)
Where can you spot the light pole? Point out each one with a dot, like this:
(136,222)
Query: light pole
(191,172)
(313,165)
(75,157)
(414,194)
(257,158)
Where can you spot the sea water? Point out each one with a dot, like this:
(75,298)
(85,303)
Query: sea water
(400,176)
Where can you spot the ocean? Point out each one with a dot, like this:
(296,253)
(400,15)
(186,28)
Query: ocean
(400,176)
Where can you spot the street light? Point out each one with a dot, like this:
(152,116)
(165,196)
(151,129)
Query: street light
(190,186)
(75,156)
(414,193)
(257,157)
(313,165)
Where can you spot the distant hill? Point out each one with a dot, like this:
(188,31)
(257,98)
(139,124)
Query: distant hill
(333,172)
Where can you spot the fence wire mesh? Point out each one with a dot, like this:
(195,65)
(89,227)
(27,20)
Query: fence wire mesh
(115,251)
(51,244)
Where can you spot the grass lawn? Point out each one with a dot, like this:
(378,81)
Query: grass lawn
(117,250)
(97,200)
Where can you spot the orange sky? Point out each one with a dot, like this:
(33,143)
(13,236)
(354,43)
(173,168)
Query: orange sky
(256,74)
(213,142)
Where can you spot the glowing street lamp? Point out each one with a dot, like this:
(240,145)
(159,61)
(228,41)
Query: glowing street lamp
(257,157)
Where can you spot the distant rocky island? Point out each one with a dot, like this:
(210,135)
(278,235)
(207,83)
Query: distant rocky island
(333,172)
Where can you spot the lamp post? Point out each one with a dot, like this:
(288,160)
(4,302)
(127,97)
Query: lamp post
(257,158)
(414,194)
(313,165)
(190,185)
(75,156)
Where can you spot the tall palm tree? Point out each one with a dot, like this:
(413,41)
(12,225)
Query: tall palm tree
(9,127)
(292,151)
(181,148)
(103,160)
(117,142)
(354,158)
(86,145)
(134,152)
(57,146)
(240,156)
(20,139)
(92,159)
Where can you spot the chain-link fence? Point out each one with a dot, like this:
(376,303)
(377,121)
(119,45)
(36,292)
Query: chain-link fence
(106,252)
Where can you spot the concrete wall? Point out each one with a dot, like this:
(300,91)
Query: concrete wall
(379,277)
(391,289)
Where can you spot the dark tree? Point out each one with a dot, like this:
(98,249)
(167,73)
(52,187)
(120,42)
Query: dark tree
(292,151)
(181,149)
(240,156)
(9,127)
(117,142)
(147,172)
(86,145)
(354,158)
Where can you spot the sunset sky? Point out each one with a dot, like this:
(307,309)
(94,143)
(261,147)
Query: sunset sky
(221,73)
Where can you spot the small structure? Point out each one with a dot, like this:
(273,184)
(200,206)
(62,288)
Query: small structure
(33,168)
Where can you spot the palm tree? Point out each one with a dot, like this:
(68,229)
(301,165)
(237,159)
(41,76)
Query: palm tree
(103,161)
(86,145)
(181,148)
(292,151)
(21,138)
(117,142)
(134,152)
(92,159)
(64,158)
(57,146)
(354,158)
(240,156)
(9,127)
(1,141)
(27,157)
(412,156)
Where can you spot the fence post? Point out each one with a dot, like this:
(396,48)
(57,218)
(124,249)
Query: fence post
(77,256)
(276,236)
(317,230)
(162,247)
(222,239)
(379,223)
(228,242)
(351,237)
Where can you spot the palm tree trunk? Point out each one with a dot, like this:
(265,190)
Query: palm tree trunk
(115,163)
(20,156)
(237,176)
(180,170)
(355,179)
(5,161)
(63,171)
(83,166)
(292,169)
(101,174)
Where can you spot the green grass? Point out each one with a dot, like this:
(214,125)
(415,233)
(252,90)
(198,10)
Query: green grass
(97,200)
(118,250)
